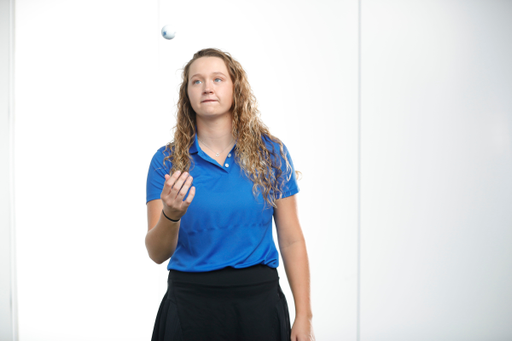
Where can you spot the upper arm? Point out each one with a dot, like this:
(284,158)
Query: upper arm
(156,176)
(287,221)
(155,182)
(154,208)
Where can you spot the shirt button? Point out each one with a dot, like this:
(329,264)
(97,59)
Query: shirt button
(229,155)
(227,165)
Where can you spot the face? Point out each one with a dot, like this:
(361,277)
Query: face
(210,88)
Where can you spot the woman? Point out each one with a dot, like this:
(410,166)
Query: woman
(211,196)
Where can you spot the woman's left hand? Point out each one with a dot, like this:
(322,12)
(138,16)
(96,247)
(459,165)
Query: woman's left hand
(302,330)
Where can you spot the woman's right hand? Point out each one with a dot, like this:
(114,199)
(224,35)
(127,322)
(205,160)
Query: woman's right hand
(174,191)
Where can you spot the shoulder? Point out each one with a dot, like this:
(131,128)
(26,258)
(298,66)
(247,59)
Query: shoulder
(163,152)
(273,143)
(158,159)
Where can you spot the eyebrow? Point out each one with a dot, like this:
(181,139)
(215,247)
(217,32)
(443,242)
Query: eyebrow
(213,73)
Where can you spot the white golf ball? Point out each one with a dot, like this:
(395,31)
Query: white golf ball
(168,32)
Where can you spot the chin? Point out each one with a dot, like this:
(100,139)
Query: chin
(212,114)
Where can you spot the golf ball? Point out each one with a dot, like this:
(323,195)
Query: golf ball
(168,32)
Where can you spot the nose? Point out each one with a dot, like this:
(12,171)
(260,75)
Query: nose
(207,88)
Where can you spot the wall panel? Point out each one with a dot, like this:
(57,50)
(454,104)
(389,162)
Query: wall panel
(436,224)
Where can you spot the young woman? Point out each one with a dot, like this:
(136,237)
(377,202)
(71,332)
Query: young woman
(211,196)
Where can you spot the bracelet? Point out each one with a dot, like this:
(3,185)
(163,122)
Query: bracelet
(170,218)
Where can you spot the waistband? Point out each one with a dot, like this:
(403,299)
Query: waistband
(227,277)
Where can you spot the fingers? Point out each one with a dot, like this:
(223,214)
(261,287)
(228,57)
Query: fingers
(169,182)
(184,188)
(174,182)
(180,182)
(190,197)
(175,188)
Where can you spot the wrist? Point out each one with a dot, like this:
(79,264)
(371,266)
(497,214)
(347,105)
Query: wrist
(304,315)
(170,218)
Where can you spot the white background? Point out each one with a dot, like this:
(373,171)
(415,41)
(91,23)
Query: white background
(406,169)
(96,88)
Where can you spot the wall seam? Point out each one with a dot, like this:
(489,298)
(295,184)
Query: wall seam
(358,313)
(12,121)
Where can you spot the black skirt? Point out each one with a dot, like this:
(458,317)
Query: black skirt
(229,305)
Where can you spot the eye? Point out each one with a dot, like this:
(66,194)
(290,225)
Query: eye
(195,82)
(218,79)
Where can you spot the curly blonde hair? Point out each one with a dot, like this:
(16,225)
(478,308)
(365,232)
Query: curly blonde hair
(261,165)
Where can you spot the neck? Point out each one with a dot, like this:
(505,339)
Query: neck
(215,133)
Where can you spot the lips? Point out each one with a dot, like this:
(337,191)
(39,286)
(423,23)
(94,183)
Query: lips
(209,100)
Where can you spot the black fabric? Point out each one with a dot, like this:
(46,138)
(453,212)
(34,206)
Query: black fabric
(224,305)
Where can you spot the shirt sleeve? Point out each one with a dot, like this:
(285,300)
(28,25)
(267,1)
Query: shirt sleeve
(290,186)
(156,175)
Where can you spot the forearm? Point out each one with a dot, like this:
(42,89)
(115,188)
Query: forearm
(162,239)
(296,265)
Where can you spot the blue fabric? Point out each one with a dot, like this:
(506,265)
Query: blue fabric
(225,225)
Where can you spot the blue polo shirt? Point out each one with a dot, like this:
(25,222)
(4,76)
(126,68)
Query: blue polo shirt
(225,225)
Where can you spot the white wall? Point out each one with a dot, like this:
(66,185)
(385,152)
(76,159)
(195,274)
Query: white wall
(436,194)
(95,93)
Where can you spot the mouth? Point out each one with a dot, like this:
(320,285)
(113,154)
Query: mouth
(209,100)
